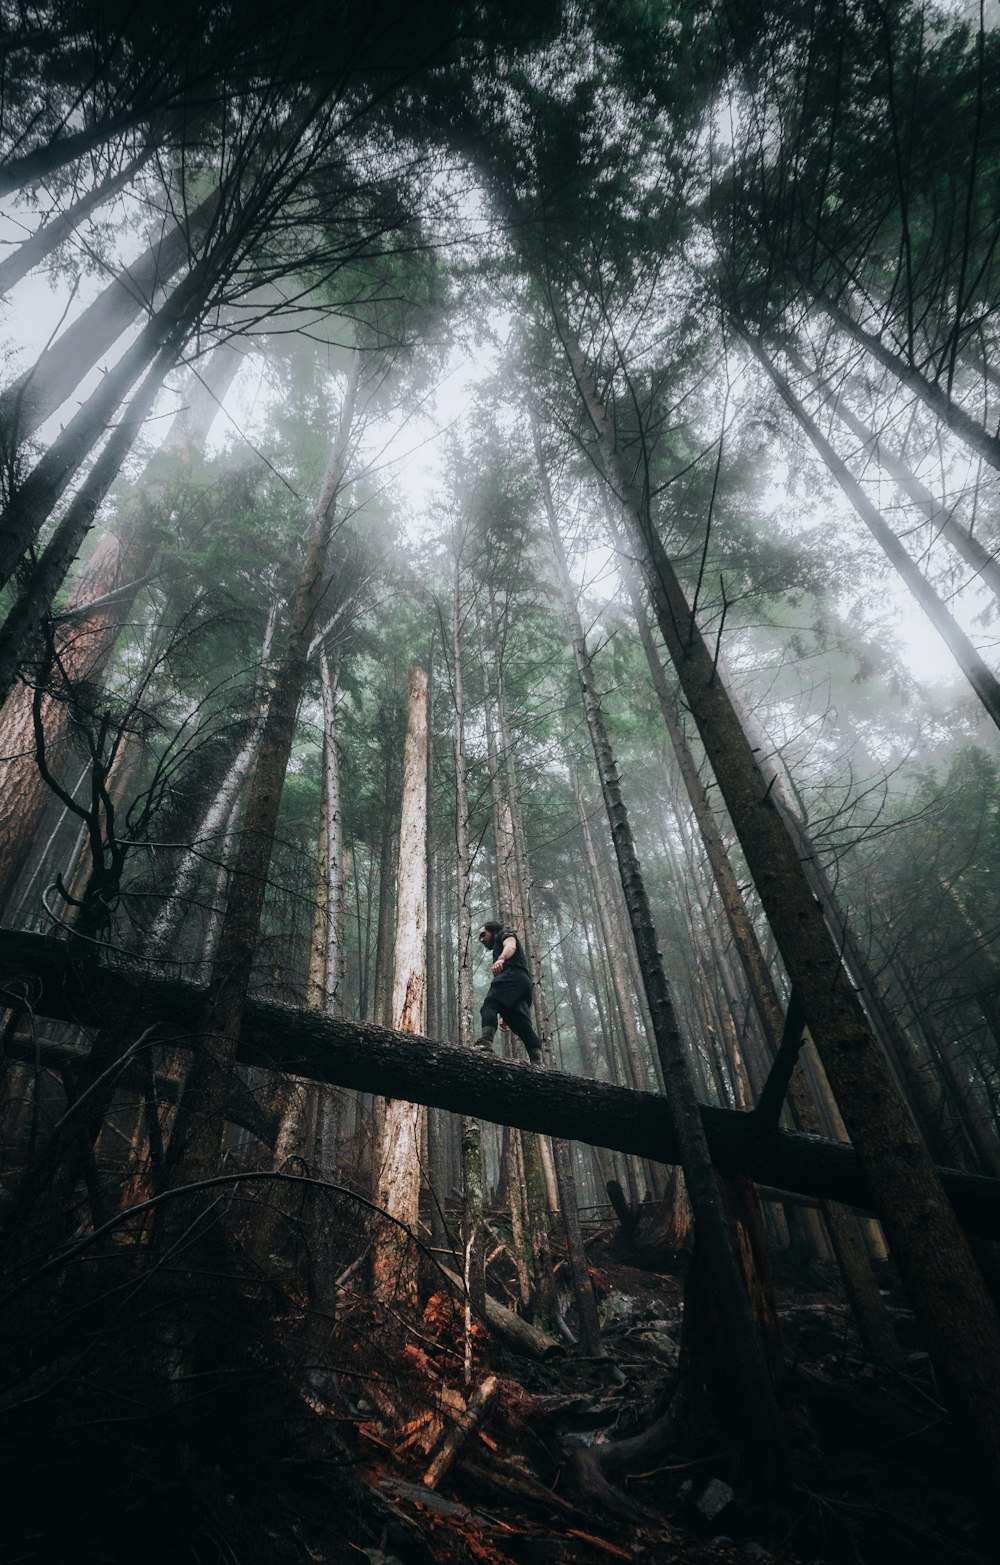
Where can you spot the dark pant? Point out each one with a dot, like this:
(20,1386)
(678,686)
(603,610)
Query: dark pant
(510,997)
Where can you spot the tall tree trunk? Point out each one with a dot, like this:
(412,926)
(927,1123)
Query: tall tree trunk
(47,238)
(983,681)
(328,980)
(22,633)
(473,1232)
(869,1309)
(635,1051)
(968,429)
(196,1142)
(944,1284)
(738,1347)
(97,607)
(33,501)
(37,394)
(940,517)
(397,1190)
(327,953)
(382,1007)
(32,167)
(215,826)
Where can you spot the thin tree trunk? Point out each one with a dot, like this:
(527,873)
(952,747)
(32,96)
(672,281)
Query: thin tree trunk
(739,1347)
(41,390)
(473,1232)
(216,824)
(634,1048)
(397,1190)
(382,1008)
(968,429)
(532,1190)
(944,1284)
(940,517)
(195,1145)
(332,854)
(983,681)
(34,250)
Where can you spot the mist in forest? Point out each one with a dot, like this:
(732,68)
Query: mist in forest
(499,781)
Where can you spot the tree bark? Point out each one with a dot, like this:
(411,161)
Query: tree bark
(634,1049)
(34,250)
(88,632)
(33,501)
(21,636)
(327,976)
(40,971)
(397,1189)
(869,1310)
(938,1271)
(983,681)
(41,390)
(195,1145)
(739,1347)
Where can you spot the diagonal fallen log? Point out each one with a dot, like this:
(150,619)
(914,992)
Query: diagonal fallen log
(520,1333)
(42,975)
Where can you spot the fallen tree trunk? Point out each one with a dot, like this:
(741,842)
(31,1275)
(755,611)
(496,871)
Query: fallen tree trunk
(520,1333)
(42,975)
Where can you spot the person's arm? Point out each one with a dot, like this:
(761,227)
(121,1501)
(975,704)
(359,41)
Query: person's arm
(507,950)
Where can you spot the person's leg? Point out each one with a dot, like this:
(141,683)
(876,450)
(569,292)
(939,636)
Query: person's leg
(515,1009)
(489,1013)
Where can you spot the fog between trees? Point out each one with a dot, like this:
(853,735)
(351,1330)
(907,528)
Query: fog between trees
(461,462)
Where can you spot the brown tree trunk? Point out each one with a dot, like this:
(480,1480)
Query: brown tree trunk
(195,1145)
(940,1275)
(84,642)
(397,1190)
(739,1346)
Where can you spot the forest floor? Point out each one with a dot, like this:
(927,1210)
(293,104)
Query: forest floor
(876,1477)
(254,1405)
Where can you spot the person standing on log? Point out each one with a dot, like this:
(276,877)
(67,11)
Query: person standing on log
(509,994)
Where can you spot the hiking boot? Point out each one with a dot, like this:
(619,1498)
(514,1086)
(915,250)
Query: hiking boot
(485,1039)
(534,1056)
